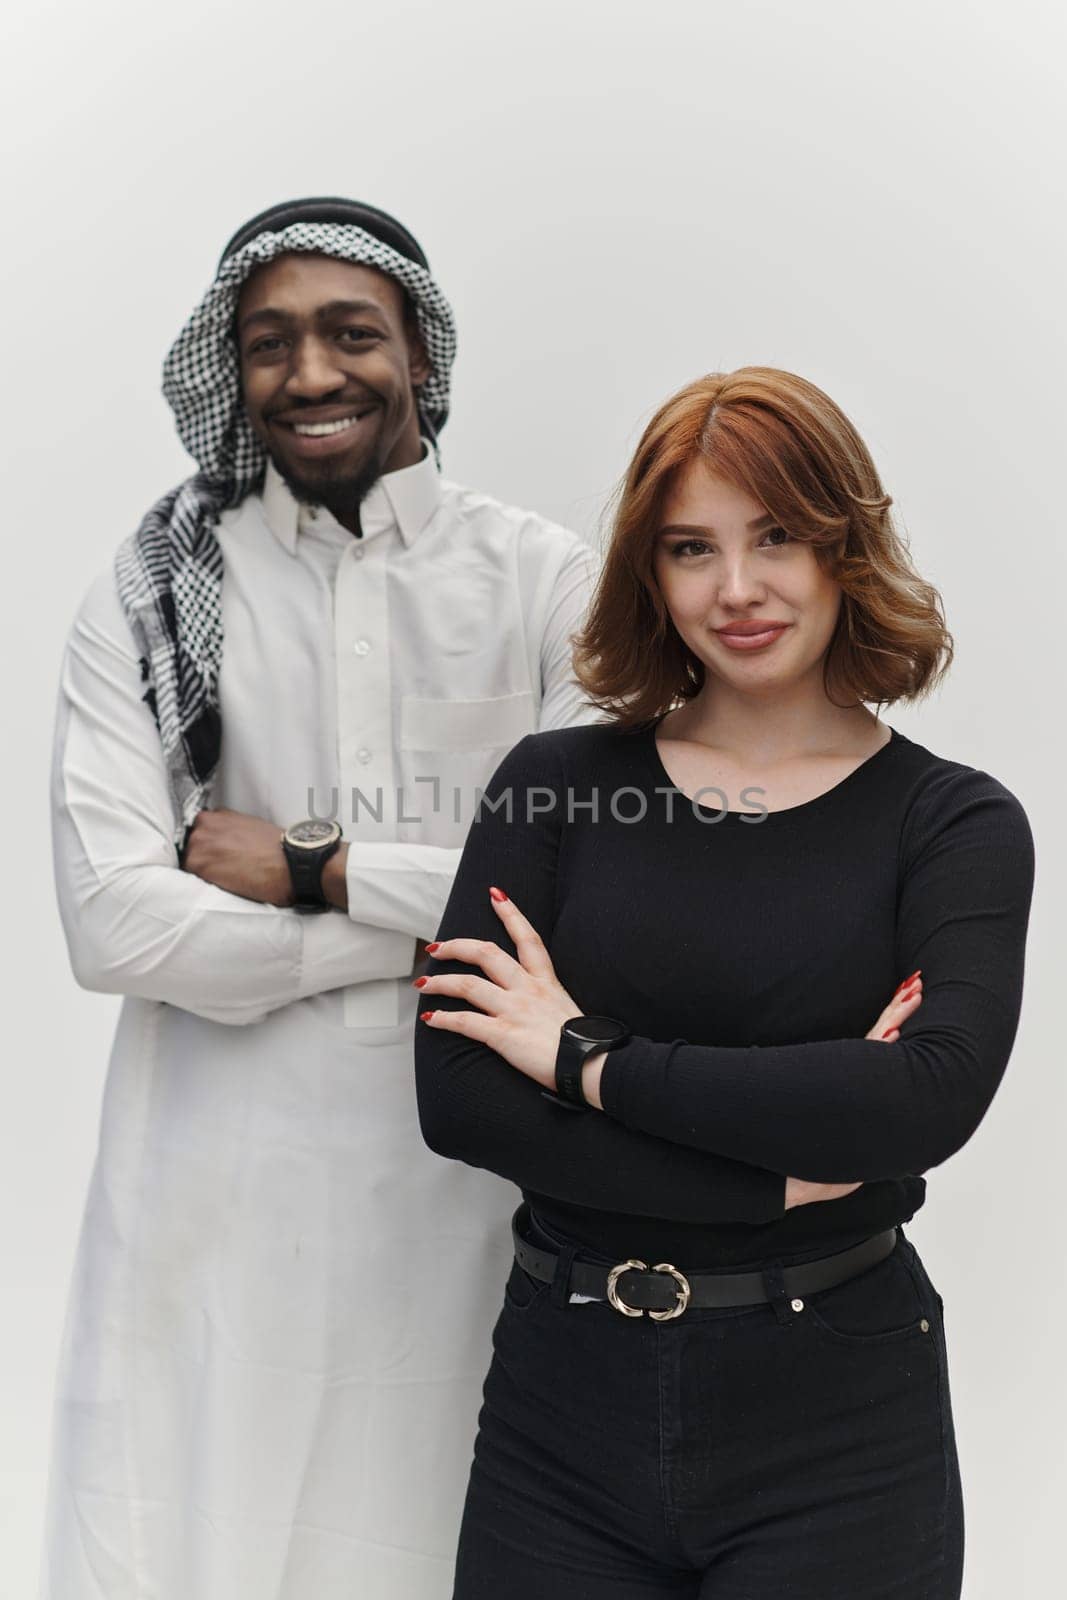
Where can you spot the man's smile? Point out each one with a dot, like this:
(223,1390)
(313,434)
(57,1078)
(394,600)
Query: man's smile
(322,435)
(320,430)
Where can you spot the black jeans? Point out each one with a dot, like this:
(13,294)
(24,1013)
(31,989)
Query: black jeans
(747,1453)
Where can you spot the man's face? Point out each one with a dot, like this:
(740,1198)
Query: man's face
(329,364)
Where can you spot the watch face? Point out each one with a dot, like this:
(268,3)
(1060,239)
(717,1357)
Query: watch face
(596,1028)
(311,834)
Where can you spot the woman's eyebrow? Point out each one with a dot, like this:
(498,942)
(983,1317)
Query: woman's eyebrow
(685,527)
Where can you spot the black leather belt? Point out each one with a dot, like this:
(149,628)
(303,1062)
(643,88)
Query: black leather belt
(633,1287)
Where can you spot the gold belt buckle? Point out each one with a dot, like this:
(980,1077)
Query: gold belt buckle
(683,1290)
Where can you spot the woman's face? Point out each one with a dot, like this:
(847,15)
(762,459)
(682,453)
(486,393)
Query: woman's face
(721,560)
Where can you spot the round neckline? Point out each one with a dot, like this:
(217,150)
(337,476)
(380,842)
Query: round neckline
(801,812)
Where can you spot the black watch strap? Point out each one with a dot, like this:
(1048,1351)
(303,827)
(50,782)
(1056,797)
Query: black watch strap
(570,1059)
(603,1033)
(305,873)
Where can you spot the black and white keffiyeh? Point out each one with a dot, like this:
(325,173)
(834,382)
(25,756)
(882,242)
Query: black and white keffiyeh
(169,572)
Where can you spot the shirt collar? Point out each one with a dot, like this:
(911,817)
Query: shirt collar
(405,499)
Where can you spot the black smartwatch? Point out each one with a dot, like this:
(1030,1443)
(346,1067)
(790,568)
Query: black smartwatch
(580,1038)
(308,846)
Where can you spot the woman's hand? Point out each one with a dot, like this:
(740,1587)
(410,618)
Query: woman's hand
(522,1005)
(906,1001)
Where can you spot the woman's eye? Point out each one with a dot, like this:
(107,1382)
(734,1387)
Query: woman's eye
(685,549)
(356,335)
(265,346)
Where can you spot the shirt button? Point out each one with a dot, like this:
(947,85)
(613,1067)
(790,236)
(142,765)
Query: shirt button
(361,647)
(313,512)
(363,755)
(357,553)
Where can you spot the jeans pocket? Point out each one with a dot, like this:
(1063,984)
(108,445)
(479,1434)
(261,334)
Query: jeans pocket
(884,1304)
(521,1291)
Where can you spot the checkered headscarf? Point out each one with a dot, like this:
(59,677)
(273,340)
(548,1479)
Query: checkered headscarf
(169,572)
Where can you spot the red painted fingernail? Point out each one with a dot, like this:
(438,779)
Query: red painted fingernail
(430,948)
(907,980)
(886,1035)
(915,989)
(418,983)
(424,1016)
(497,894)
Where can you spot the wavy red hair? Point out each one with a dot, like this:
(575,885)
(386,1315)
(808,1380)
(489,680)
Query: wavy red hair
(789,446)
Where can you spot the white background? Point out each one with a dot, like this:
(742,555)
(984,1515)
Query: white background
(617,198)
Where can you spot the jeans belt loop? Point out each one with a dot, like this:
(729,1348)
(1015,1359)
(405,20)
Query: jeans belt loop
(559,1293)
(777,1293)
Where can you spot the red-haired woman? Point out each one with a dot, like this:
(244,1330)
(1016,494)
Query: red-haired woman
(667,937)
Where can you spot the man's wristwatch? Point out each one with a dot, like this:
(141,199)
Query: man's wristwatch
(308,845)
(580,1038)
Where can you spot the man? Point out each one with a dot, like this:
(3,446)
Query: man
(282,1302)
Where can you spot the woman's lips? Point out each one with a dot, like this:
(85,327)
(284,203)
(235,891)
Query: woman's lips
(750,641)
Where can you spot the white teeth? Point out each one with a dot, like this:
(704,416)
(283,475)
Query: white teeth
(322,430)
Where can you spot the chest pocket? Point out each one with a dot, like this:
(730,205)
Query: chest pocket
(456,725)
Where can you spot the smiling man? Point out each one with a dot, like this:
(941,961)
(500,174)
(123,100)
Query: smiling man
(331,441)
(276,713)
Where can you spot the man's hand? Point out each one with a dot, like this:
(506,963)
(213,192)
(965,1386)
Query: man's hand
(240,853)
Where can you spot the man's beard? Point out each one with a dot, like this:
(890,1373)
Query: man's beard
(344,494)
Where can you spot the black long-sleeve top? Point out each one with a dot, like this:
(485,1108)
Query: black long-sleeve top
(749,953)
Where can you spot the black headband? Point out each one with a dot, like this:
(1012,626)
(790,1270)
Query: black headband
(332,209)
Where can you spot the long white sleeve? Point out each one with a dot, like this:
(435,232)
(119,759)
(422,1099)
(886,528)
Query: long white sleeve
(134,922)
(563,703)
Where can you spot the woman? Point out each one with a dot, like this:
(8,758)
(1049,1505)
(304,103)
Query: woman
(727,876)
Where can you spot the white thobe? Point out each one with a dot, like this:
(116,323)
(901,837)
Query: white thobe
(282,1301)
